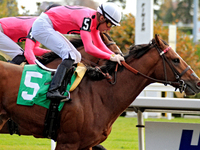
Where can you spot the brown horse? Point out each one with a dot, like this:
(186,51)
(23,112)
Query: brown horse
(52,60)
(87,119)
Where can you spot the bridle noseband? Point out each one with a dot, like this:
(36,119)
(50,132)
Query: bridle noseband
(181,83)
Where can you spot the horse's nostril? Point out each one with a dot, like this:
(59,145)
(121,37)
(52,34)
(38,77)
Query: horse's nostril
(198,84)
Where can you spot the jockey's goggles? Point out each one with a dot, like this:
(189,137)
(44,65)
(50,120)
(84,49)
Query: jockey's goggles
(109,24)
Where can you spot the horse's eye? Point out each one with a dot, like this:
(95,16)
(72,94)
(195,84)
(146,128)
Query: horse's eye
(176,60)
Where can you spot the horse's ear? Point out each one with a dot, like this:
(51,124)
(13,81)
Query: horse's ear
(159,41)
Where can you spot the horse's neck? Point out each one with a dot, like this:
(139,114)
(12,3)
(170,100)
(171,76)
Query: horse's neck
(116,98)
(128,86)
(126,91)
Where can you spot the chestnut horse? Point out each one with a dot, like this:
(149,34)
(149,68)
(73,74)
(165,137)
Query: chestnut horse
(96,104)
(52,60)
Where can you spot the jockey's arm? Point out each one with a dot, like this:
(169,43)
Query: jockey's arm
(31,49)
(96,38)
(91,49)
(28,53)
(38,51)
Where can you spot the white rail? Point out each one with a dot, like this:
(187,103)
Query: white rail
(184,104)
(159,104)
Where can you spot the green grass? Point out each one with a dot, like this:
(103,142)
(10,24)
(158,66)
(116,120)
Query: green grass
(124,136)
(15,142)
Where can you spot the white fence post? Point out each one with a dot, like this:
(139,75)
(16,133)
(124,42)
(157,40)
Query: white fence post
(140,130)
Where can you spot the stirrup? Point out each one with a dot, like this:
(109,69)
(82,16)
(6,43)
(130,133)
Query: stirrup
(67,98)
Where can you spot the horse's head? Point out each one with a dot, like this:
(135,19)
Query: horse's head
(158,62)
(174,70)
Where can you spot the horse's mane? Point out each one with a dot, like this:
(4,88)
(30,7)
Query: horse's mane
(135,51)
(138,51)
(49,57)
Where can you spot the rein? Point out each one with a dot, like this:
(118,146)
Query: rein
(128,67)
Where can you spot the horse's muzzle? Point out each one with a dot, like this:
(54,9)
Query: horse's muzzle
(198,85)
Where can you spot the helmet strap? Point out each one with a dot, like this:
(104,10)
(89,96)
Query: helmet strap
(98,26)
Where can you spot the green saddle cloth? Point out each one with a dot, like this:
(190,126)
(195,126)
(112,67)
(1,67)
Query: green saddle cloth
(34,86)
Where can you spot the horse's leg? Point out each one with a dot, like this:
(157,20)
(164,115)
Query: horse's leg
(5,129)
(98,147)
(60,146)
(3,119)
(75,147)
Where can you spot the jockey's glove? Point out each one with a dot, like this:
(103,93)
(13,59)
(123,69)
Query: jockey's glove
(117,58)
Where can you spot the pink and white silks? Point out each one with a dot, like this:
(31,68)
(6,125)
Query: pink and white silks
(14,28)
(70,20)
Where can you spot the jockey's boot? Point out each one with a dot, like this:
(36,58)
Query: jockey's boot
(56,83)
(18,59)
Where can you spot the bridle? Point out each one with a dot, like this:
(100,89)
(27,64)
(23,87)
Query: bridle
(177,75)
(178,83)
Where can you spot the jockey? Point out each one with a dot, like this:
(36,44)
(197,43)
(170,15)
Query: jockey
(12,29)
(78,20)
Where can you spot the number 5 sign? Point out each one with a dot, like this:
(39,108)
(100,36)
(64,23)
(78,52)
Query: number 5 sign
(86,24)
(33,85)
